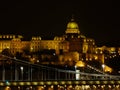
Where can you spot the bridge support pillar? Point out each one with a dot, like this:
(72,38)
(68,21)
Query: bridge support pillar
(55,87)
(16,73)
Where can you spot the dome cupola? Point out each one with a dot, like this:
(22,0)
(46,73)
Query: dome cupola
(72,27)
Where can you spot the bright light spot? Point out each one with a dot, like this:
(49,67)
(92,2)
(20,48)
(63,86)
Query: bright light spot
(103,66)
(77,75)
(38,61)
(52,86)
(54,54)
(21,68)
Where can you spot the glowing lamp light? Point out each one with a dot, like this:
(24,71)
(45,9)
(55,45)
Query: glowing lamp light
(62,82)
(27,83)
(35,83)
(21,83)
(55,83)
(14,83)
(49,83)
(7,82)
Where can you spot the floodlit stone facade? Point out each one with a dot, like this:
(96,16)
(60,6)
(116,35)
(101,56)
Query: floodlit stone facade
(72,46)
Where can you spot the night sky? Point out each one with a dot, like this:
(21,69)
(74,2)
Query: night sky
(97,19)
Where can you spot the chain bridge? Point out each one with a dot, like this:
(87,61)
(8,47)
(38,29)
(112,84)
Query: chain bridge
(16,74)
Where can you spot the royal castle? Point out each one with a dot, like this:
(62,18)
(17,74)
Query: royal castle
(71,46)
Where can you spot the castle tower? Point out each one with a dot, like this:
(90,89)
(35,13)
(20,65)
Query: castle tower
(72,34)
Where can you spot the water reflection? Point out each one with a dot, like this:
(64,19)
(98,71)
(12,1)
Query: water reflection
(64,87)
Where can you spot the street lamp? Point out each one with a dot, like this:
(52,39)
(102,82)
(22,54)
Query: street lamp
(21,68)
(103,66)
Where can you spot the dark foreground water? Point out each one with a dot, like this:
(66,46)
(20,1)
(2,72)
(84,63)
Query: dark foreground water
(63,87)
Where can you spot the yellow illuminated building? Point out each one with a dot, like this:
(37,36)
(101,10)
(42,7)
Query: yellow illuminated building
(72,46)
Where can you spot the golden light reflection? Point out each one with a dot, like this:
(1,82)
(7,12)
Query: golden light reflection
(7,88)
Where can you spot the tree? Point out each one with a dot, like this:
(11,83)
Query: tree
(6,52)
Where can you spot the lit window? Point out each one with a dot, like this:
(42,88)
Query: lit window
(13,36)
(4,36)
(7,36)
(10,36)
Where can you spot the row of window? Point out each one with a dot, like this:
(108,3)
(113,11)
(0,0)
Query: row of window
(36,38)
(7,36)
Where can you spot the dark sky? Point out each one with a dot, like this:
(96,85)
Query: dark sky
(96,18)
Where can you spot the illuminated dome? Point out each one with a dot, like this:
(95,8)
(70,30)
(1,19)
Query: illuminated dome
(72,27)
